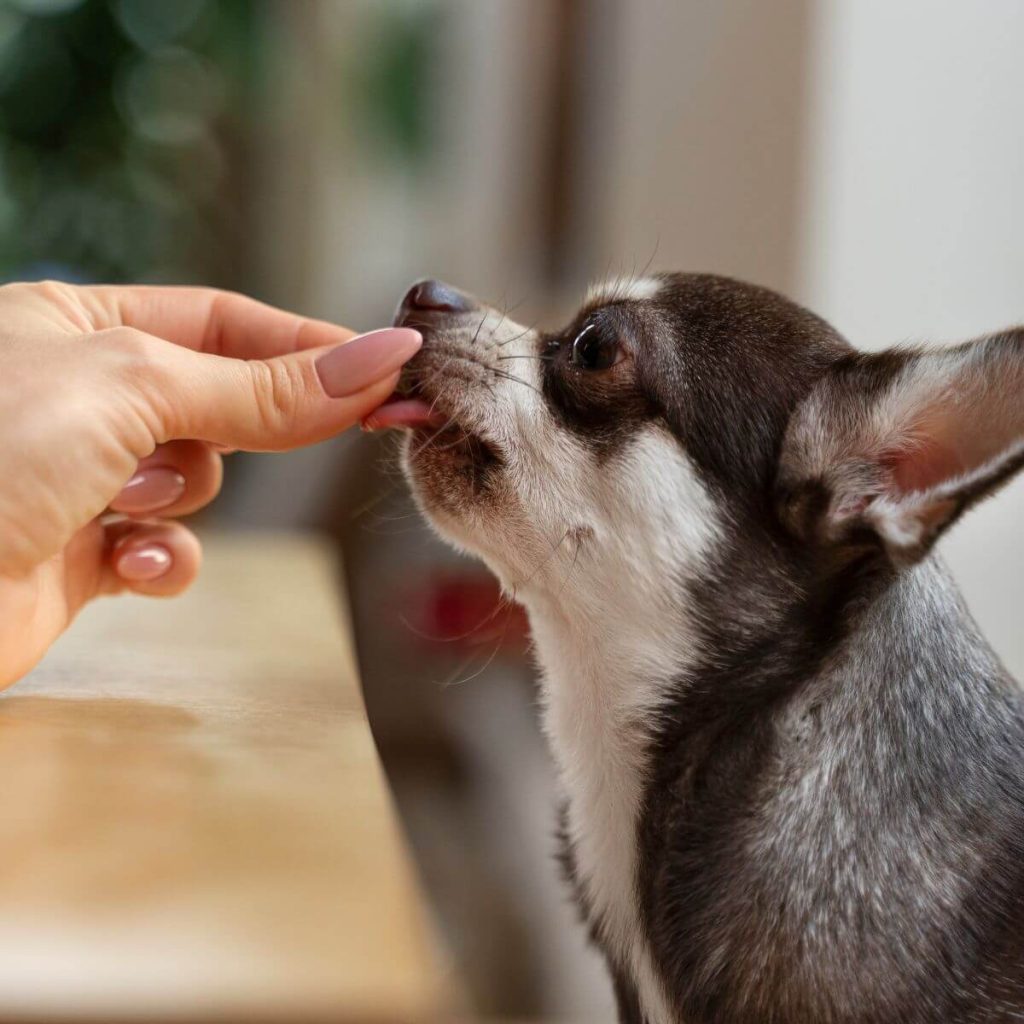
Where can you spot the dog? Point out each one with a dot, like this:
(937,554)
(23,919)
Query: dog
(793,769)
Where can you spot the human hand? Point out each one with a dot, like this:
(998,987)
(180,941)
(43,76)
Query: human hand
(115,400)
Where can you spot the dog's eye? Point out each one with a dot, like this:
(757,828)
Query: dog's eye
(595,348)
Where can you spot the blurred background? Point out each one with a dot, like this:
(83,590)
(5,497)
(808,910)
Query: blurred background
(864,156)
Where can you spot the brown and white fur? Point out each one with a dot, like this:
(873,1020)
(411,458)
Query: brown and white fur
(793,770)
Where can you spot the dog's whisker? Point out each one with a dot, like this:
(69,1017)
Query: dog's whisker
(479,328)
(547,559)
(572,567)
(516,337)
(417,324)
(650,259)
(371,503)
(500,324)
(452,681)
(516,380)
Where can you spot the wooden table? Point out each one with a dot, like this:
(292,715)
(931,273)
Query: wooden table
(195,826)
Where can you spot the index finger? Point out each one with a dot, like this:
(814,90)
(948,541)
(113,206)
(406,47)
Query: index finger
(209,320)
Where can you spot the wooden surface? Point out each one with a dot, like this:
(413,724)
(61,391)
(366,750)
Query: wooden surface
(194,825)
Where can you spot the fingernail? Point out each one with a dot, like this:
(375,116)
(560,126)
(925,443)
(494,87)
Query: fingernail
(149,490)
(364,360)
(140,565)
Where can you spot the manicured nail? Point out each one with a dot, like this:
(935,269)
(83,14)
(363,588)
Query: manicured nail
(150,489)
(363,361)
(141,565)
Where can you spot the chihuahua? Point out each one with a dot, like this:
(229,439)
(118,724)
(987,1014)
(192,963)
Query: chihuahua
(793,769)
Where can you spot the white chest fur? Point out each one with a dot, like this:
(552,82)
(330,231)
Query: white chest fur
(614,637)
(598,728)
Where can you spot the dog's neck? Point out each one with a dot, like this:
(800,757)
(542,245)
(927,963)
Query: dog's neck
(613,642)
(607,665)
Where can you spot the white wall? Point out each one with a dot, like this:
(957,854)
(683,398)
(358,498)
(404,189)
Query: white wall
(914,214)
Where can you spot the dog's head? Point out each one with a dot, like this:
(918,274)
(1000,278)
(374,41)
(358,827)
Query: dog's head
(680,417)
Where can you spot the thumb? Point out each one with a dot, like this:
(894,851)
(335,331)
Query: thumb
(278,403)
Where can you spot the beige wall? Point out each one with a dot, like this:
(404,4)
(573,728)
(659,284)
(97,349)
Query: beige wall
(706,151)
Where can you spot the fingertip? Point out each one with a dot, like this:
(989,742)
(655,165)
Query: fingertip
(157,559)
(362,408)
(150,489)
(179,478)
(143,563)
(349,369)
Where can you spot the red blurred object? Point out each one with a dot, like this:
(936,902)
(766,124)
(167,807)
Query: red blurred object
(464,611)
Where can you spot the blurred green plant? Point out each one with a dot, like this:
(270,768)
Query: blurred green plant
(123,130)
(389,87)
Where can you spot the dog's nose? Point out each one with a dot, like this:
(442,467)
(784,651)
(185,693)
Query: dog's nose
(436,296)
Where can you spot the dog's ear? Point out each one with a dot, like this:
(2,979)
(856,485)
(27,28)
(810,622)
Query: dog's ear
(890,449)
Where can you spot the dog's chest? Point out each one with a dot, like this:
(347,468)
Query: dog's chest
(598,724)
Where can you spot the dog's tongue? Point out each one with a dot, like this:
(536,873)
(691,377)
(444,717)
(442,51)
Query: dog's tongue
(408,413)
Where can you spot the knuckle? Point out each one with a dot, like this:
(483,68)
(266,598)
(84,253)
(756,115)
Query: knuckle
(278,394)
(219,297)
(49,294)
(144,381)
(128,343)
(59,295)
(55,291)
(218,301)
(134,355)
